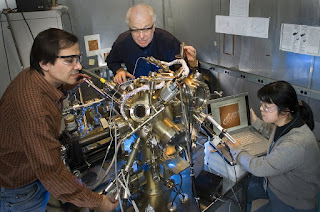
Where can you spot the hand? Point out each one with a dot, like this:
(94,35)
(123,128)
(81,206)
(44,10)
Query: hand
(232,145)
(121,76)
(253,116)
(80,80)
(191,54)
(108,204)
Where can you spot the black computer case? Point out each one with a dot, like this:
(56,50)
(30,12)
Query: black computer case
(33,5)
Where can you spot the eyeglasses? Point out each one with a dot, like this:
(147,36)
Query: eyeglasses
(268,108)
(145,31)
(71,59)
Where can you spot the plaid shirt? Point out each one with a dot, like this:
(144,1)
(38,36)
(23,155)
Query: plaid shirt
(30,121)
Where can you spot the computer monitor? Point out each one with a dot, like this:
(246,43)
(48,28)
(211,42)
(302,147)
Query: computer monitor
(231,112)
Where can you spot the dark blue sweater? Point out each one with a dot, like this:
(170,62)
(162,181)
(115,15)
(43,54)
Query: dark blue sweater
(164,46)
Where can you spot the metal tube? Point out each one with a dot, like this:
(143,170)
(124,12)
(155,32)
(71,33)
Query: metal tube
(133,154)
(218,126)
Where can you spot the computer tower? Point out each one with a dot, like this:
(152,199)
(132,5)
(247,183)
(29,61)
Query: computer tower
(33,5)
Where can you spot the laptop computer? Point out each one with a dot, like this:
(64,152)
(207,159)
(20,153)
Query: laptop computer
(233,114)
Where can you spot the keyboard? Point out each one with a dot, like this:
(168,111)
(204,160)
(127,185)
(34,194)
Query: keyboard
(244,137)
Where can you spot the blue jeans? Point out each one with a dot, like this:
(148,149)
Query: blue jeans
(256,191)
(32,197)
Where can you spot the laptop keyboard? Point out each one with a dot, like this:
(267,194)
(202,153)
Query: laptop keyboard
(245,138)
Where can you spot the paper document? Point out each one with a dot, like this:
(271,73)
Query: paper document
(300,39)
(245,26)
(239,8)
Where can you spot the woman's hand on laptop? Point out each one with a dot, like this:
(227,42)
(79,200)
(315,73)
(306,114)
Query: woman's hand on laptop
(232,145)
(253,116)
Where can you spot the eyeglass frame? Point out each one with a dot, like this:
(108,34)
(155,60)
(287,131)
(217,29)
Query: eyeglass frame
(143,30)
(78,58)
(265,108)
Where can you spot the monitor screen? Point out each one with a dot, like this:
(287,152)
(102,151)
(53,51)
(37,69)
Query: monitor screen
(230,112)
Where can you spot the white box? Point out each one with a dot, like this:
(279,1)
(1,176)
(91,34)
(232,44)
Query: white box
(217,165)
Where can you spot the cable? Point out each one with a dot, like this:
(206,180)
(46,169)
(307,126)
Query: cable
(60,7)
(116,170)
(5,12)
(186,120)
(135,66)
(27,25)
(7,4)
(225,163)
(5,50)
(70,21)
(178,192)
(105,157)
(126,187)
(110,132)
(236,201)
(229,198)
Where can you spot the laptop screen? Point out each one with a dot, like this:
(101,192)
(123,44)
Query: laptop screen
(231,112)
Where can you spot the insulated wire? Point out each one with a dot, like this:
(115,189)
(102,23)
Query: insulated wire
(225,163)
(135,66)
(126,187)
(27,25)
(189,142)
(110,132)
(180,186)
(116,169)
(70,21)
(5,50)
(237,201)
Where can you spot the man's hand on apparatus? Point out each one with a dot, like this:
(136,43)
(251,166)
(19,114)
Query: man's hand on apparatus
(108,204)
(191,54)
(122,75)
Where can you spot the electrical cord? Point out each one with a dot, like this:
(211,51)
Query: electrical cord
(187,121)
(116,170)
(178,192)
(231,183)
(135,66)
(110,132)
(236,201)
(60,7)
(7,3)
(5,49)
(27,25)
(124,184)
(68,14)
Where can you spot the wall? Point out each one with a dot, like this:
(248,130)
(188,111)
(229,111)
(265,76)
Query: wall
(7,3)
(11,63)
(194,23)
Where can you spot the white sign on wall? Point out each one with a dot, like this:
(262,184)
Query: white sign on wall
(239,8)
(300,39)
(245,26)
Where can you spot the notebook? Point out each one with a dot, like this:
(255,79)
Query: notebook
(233,114)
